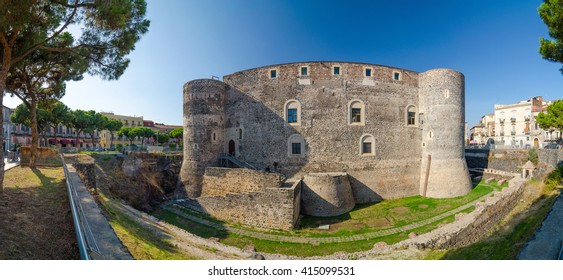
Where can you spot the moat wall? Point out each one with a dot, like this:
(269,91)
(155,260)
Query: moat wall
(469,228)
(259,203)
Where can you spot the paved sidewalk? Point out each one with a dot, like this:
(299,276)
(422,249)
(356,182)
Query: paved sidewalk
(178,209)
(547,242)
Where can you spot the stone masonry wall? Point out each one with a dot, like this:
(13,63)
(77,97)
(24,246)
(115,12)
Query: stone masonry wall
(220,181)
(274,208)
(255,104)
(471,227)
(45,156)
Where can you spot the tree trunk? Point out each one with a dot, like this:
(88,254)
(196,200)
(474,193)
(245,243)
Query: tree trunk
(34,133)
(3,76)
(111,141)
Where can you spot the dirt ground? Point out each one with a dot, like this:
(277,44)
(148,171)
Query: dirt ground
(35,218)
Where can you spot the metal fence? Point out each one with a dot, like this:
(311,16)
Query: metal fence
(86,242)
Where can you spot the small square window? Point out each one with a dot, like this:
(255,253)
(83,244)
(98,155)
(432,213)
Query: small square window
(356,115)
(295,148)
(396,76)
(336,70)
(366,148)
(368,72)
(291,115)
(273,74)
(304,71)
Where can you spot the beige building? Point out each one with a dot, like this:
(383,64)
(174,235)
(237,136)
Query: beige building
(516,126)
(131,121)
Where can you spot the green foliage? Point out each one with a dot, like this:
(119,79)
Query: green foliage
(22,115)
(551,12)
(533,156)
(177,133)
(163,138)
(113,125)
(119,147)
(142,132)
(554,178)
(127,132)
(553,119)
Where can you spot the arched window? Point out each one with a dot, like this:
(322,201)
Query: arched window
(356,112)
(367,145)
(296,146)
(292,112)
(411,119)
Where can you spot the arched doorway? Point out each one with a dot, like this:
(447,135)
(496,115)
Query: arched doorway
(232,148)
(536,143)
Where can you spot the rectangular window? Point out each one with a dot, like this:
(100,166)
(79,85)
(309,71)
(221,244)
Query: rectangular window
(273,73)
(304,71)
(368,72)
(411,118)
(295,148)
(366,148)
(396,76)
(336,70)
(356,115)
(291,115)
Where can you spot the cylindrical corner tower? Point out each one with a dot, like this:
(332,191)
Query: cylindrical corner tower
(204,130)
(444,170)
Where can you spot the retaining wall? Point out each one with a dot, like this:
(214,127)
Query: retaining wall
(219,181)
(469,228)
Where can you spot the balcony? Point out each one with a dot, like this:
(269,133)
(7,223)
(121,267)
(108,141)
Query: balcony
(513,120)
(501,120)
(502,133)
(513,132)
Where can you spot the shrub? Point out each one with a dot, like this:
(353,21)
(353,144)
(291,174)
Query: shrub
(533,156)
(119,147)
(554,178)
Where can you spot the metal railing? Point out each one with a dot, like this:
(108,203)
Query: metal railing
(86,242)
(238,162)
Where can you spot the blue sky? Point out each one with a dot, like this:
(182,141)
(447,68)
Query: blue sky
(494,43)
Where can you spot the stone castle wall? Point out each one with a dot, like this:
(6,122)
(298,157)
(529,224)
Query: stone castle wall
(272,208)
(255,105)
(245,116)
(220,181)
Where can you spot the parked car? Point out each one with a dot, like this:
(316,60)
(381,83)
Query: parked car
(551,145)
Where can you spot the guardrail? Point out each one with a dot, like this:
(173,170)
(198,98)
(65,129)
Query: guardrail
(86,242)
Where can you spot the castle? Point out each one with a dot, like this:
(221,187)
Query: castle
(335,133)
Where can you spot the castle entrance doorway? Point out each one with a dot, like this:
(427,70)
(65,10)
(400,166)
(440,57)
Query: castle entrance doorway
(232,148)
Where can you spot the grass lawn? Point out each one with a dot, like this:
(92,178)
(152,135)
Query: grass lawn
(142,243)
(362,219)
(35,217)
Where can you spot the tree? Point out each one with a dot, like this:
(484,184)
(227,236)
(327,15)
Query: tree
(59,113)
(127,132)
(177,133)
(109,31)
(97,122)
(82,121)
(112,126)
(163,138)
(551,12)
(22,116)
(143,132)
(553,119)
(40,78)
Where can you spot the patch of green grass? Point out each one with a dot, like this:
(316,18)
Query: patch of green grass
(388,214)
(142,243)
